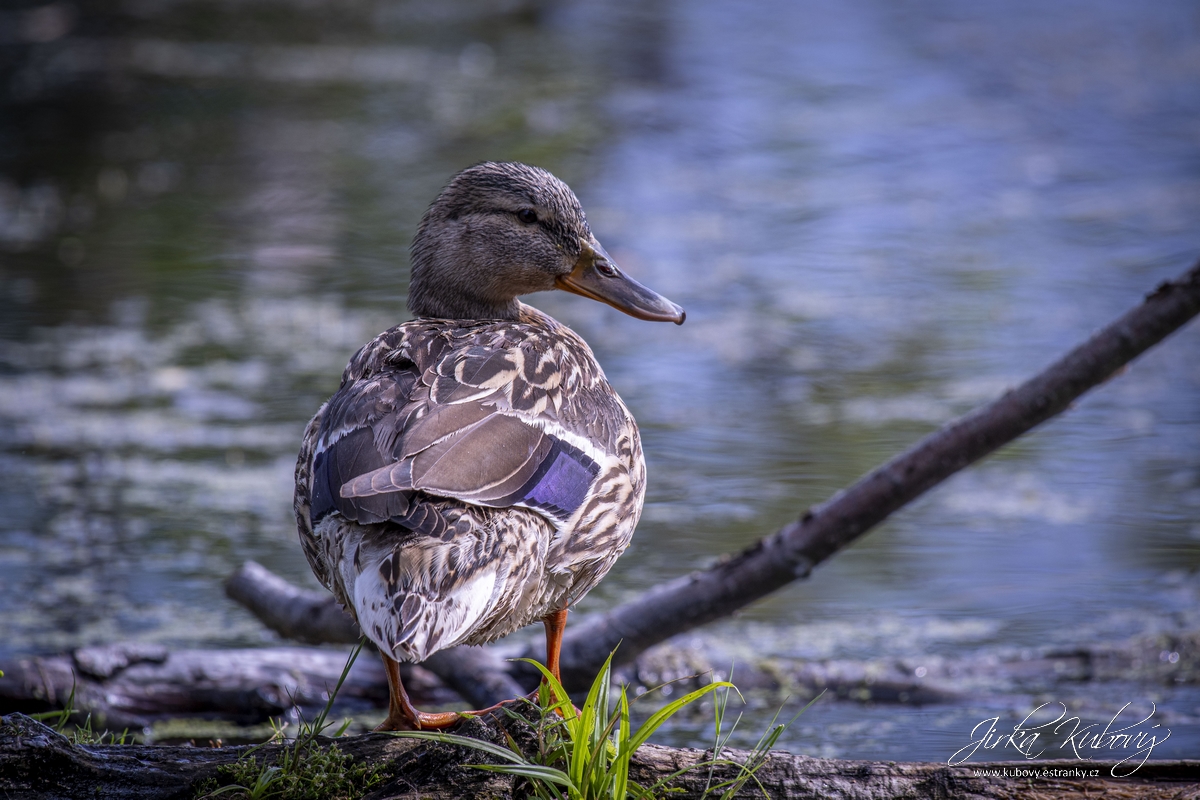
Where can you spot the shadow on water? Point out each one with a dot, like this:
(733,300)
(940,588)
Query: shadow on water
(877,215)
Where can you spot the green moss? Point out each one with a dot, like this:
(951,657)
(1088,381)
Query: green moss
(303,771)
(203,731)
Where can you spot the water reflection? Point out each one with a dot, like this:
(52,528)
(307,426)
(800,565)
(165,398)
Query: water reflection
(877,215)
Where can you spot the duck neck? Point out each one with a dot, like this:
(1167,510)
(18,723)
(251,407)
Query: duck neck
(445,284)
(435,305)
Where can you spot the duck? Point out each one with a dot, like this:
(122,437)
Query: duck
(476,472)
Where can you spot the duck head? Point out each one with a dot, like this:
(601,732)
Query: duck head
(501,230)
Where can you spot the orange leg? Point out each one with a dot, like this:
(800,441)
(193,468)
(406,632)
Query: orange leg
(556,623)
(401,714)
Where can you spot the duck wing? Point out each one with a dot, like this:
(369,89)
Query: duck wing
(475,423)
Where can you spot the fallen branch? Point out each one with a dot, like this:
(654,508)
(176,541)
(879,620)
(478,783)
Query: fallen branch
(37,762)
(292,612)
(131,685)
(792,552)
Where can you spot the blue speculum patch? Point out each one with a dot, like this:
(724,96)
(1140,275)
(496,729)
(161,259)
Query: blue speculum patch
(563,487)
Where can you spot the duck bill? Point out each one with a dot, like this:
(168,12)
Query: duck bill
(597,276)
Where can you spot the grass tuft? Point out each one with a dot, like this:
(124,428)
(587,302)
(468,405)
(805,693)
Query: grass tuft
(585,754)
(305,769)
(82,732)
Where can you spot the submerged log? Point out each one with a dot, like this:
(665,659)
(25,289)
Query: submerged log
(37,762)
(133,685)
(292,612)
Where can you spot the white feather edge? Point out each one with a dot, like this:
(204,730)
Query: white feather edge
(457,613)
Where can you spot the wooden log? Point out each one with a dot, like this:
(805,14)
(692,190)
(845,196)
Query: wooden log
(37,762)
(478,675)
(292,612)
(1137,659)
(132,685)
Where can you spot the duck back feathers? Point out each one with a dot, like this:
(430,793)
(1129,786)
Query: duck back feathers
(466,479)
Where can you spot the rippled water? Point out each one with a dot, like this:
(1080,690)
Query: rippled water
(877,215)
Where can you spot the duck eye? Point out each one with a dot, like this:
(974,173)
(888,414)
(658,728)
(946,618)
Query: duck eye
(527,215)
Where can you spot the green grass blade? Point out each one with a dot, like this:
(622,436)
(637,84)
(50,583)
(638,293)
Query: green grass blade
(621,765)
(605,681)
(463,741)
(62,716)
(662,782)
(563,699)
(758,756)
(533,771)
(720,704)
(600,752)
(268,778)
(518,764)
(235,787)
(657,719)
(585,728)
(319,724)
(600,774)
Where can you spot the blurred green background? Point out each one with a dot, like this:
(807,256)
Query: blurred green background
(877,215)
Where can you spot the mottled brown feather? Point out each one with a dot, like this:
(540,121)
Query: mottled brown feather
(436,420)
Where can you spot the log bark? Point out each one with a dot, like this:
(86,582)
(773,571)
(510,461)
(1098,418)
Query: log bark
(133,685)
(792,552)
(37,762)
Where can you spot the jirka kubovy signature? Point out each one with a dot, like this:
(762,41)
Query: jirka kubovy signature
(1133,742)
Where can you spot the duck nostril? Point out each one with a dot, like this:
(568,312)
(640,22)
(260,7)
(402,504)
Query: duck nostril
(606,268)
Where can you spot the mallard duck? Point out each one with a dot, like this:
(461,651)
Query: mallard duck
(476,472)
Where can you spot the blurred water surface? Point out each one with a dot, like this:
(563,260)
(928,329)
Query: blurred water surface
(878,215)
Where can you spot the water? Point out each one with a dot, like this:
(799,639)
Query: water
(877,216)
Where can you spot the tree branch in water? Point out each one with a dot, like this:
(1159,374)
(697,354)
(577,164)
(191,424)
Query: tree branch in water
(792,552)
